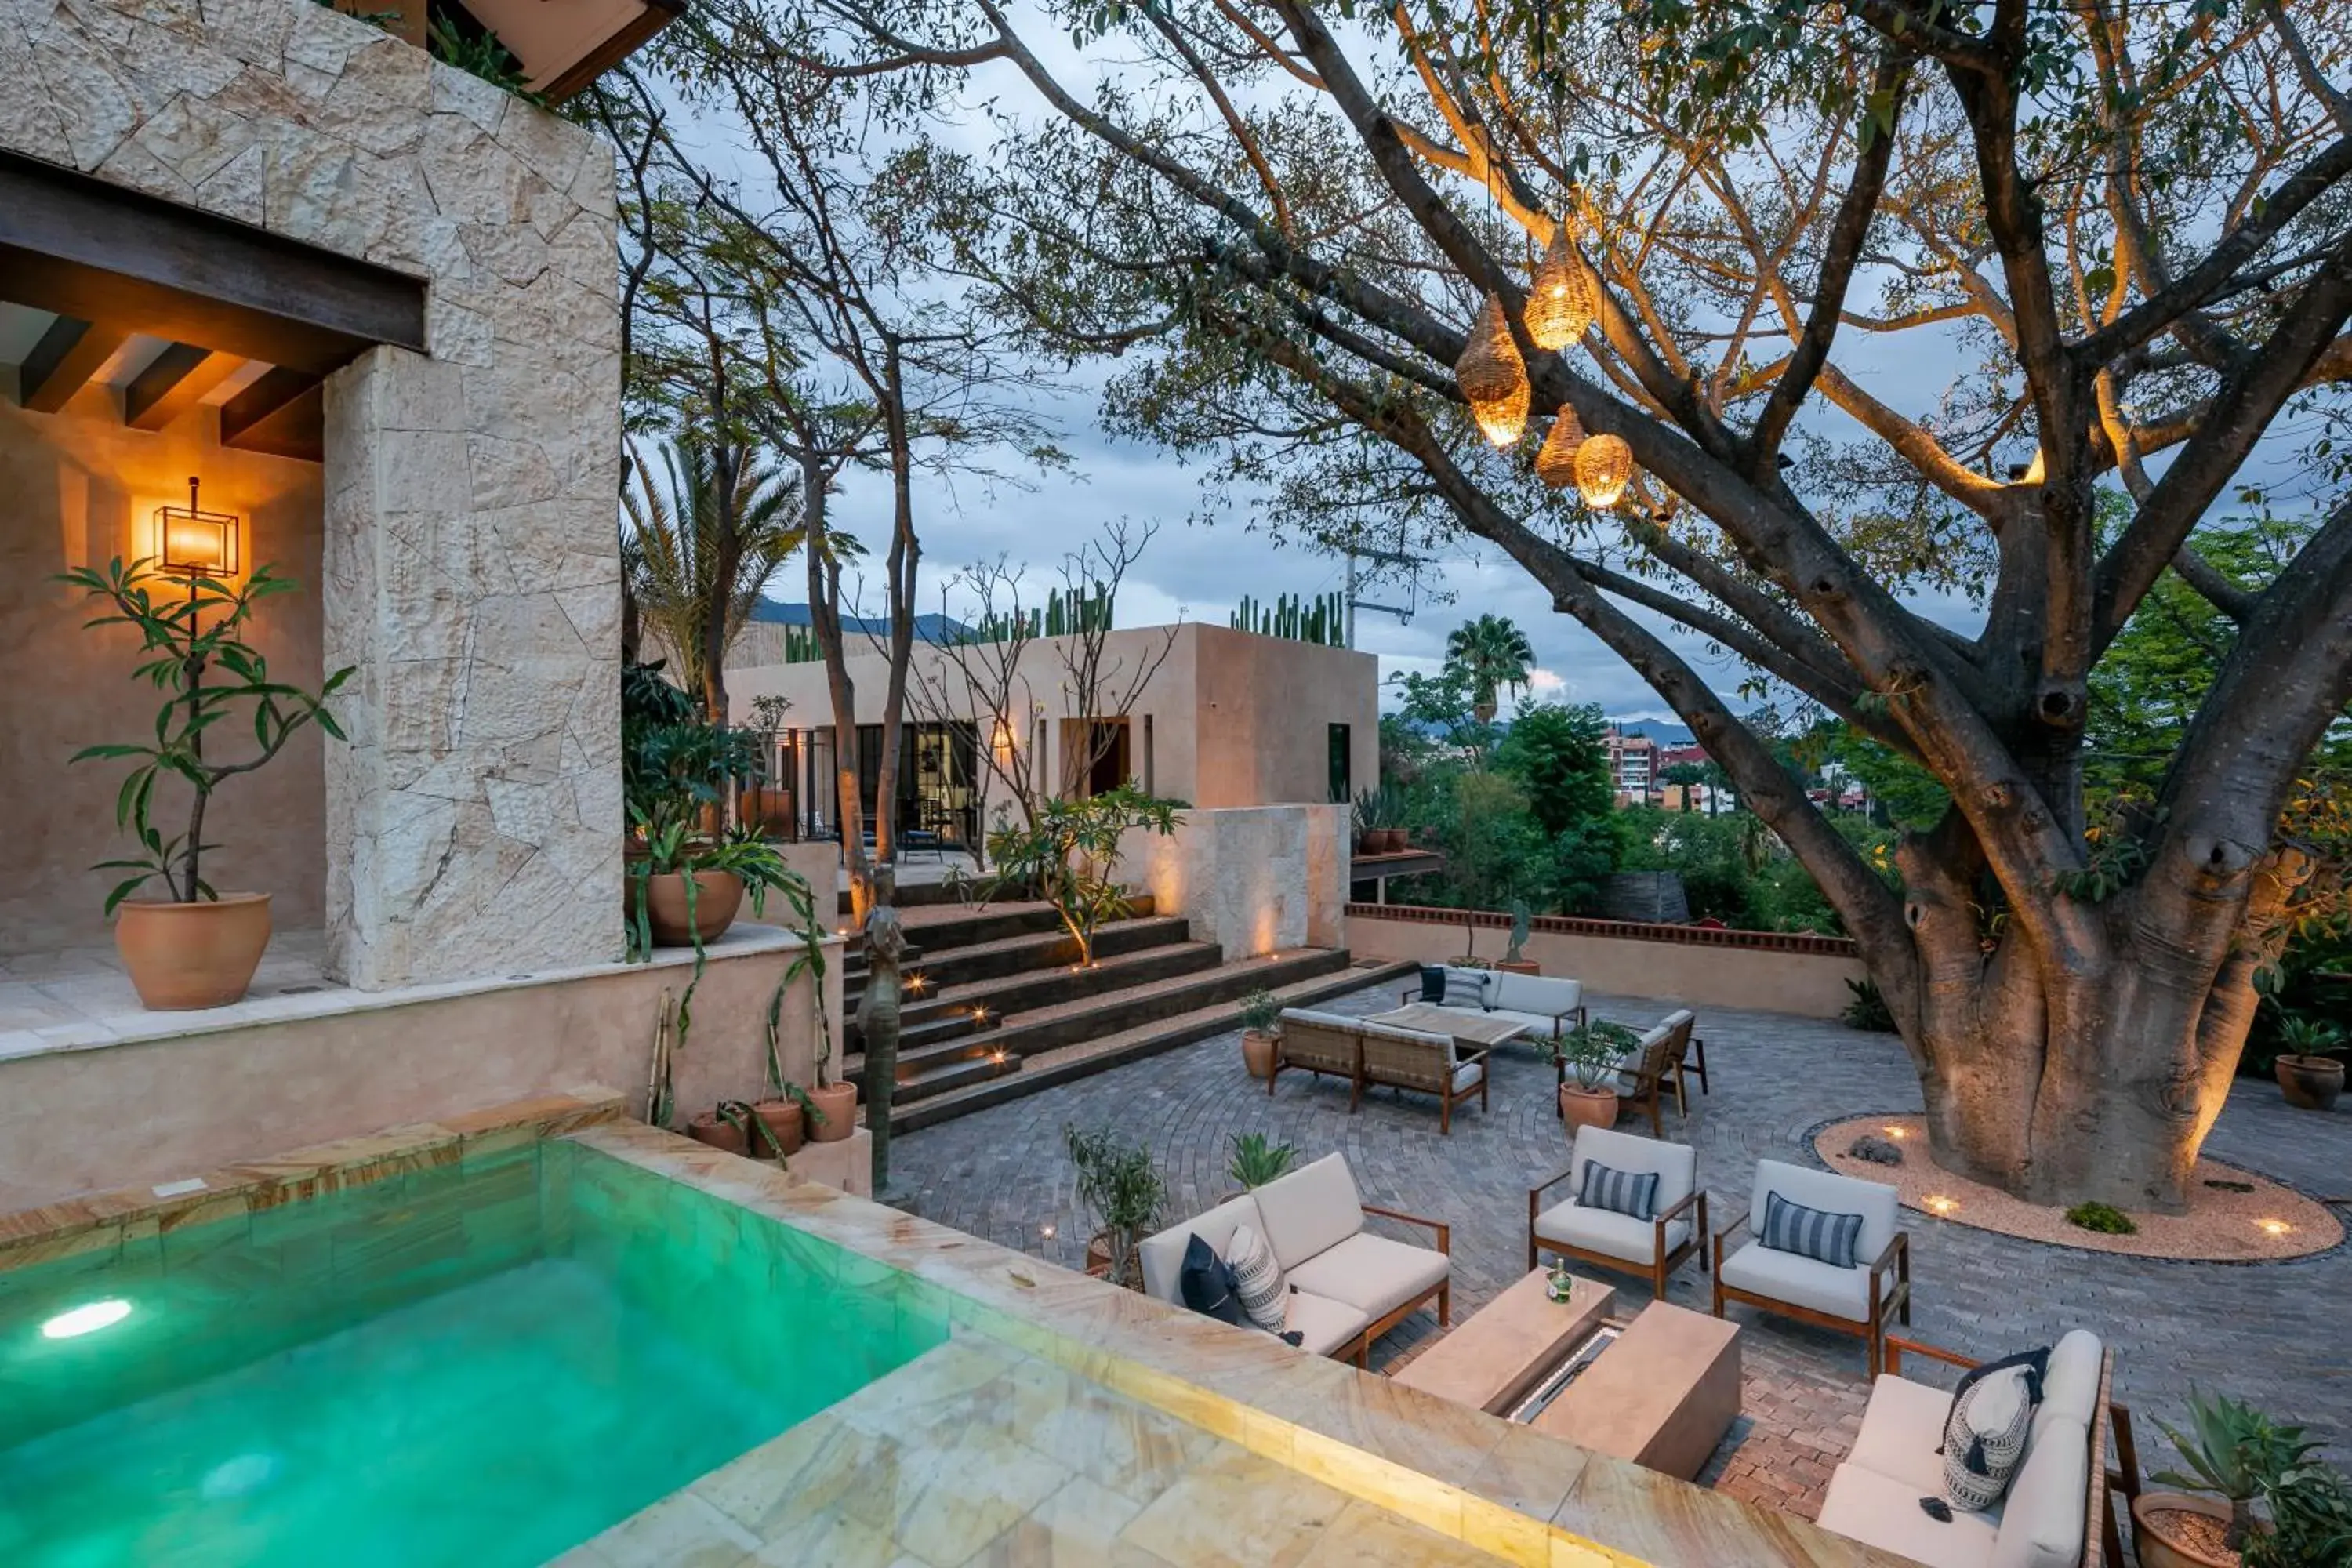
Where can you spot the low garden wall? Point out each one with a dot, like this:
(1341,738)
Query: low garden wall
(1698,966)
(198,1099)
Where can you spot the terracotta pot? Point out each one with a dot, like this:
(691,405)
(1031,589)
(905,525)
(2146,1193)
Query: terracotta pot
(1258,1053)
(2157,1551)
(1586,1106)
(2310,1082)
(1518,966)
(1099,1261)
(202,955)
(838,1102)
(718,1133)
(1394,841)
(783,1116)
(718,895)
(1368,841)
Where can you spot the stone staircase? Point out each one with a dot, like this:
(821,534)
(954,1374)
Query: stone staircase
(996,1006)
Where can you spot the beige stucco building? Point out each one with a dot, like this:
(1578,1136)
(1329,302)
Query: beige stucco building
(1225,719)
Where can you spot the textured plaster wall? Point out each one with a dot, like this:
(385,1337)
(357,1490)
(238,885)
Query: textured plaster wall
(469,563)
(1255,880)
(82,488)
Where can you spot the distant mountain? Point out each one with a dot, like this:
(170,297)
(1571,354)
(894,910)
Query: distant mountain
(1665,732)
(932,627)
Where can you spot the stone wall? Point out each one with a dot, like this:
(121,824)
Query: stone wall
(1255,880)
(470,569)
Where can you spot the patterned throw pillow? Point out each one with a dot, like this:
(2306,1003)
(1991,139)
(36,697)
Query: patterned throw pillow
(1257,1276)
(1207,1284)
(1621,1192)
(2036,1366)
(1827,1237)
(1984,1440)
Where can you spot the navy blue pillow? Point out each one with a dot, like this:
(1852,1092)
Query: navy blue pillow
(1432,983)
(1207,1285)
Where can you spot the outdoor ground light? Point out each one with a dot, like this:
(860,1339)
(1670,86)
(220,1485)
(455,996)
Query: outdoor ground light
(193,542)
(85,1319)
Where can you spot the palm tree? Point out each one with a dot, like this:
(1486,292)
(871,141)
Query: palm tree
(704,534)
(1495,654)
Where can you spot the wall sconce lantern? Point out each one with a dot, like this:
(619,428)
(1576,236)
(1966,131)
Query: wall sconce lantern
(193,542)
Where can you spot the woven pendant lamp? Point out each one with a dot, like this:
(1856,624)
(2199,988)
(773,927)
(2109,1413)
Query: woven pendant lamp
(1560,305)
(1493,376)
(1604,467)
(1556,458)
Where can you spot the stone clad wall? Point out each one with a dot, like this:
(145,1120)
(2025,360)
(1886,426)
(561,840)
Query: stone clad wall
(470,569)
(1255,880)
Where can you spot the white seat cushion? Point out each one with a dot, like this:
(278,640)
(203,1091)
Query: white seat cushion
(1599,1230)
(2071,1385)
(1467,1075)
(1324,1325)
(1881,1511)
(1538,1025)
(1309,1211)
(1545,996)
(2043,1519)
(1163,1255)
(1800,1281)
(1371,1273)
(1901,1431)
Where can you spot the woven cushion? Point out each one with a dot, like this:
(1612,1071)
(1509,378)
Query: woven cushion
(1984,1441)
(2034,1363)
(1257,1278)
(1633,1193)
(1207,1284)
(1810,1232)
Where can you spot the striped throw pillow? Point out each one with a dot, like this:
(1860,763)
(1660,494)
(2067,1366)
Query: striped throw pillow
(1817,1234)
(1257,1278)
(1984,1439)
(1620,1192)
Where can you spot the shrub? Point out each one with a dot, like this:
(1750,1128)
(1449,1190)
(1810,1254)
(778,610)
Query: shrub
(1868,1010)
(2102,1218)
(1257,1160)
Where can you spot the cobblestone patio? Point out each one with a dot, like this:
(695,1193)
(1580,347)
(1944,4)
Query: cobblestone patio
(2271,1334)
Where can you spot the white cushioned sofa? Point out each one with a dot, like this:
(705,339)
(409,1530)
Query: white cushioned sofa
(1345,1286)
(1545,1005)
(2054,1512)
(1655,1247)
(1856,1300)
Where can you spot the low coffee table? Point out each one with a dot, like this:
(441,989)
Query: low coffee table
(1495,1356)
(1663,1395)
(1479,1028)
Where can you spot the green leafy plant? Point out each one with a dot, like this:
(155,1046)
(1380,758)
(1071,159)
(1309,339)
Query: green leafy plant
(1067,855)
(1590,1051)
(1261,1010)
(481,55)
(2299,1036)
(1120,1186)
(2103,1218)
(191,634)
(2232,1450)
(1868,1010)
(1256,1158)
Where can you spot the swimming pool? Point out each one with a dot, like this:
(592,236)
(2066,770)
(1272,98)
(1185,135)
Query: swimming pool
(482,1364)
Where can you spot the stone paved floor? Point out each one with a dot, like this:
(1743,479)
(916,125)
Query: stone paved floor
(2272,1334)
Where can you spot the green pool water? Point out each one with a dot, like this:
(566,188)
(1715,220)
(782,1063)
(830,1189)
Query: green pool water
(482,1366)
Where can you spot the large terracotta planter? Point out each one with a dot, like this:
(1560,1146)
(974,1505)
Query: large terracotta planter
(718,1133)
(1099,1261)
(2310,1082)
(782,1117)
(718,895)
(2157,1550)
(183,956)
(1586,1106)
(839,1103)
(1258,1053)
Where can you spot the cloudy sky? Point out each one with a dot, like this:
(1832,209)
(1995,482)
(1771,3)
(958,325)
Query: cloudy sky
(1200,570)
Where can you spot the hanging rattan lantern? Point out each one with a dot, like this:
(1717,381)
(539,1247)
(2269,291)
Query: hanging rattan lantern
(1493,376)
(1556,458)
(1560,305)
(1604,467)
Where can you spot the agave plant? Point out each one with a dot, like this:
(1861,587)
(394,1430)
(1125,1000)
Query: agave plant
(1257,1159)
(2231,1449)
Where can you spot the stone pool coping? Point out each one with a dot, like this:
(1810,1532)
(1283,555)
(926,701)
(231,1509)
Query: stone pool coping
(72,1226)
(1509,1490)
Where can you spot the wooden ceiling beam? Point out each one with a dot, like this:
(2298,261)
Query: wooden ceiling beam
(283,414)
(175,383)
(62,363)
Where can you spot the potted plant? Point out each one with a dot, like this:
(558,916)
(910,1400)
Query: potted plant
(832,1103)
(1261,1015)
(1511,962)
(1119,1185)
(2233,1452)
(779,1123)
(727,1127)
(2308,1072)
(1589,1052)
(1257,1160)
(194,947)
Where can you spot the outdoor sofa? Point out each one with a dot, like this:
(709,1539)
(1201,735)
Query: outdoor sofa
(1371,1055)
(1674,1231)
(1547,1006)
(1856,1300)
(2057,1511)
(1345,1286)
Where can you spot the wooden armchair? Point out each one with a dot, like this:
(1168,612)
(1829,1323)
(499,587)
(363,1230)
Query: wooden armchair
(1860,1300)
(1655,1247)
(1320,1043)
